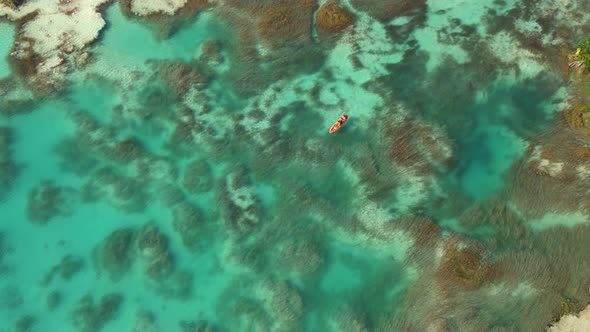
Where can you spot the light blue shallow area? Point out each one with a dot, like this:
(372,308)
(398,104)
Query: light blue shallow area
(130,40)
(42,246)
(367,281)
(6,38)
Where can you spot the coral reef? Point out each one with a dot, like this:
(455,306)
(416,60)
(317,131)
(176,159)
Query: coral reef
(48,200)
(285,20)
(166,17)
(273,306)
(4,251)
(211,53)
(178,286)
(196,326)
(268,37)
(125,151)
(332,18)
(385,11)
(300,256)
(154,169)
(465,267)
(25,324)
(10,297)
(240,206)
(115,253)
(198,177)
(386,185)
(53,300)
(8,169)
(551,163)
(66,269)
(171,195)
(43,59)
(74,158)
(188,223)
(122,192)
(145,322)
(152,245)
(286,305)
(89,316)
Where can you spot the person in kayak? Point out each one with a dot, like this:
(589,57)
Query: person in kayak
(338,124)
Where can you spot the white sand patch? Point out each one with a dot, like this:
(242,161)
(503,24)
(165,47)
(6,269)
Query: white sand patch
(536,154)
(328,97)
(553,220)
(573,323)
(59,28)
(509,51)
(437,52)
(148,7)
(399,21)
(70,26)
(569,11)
(382,232)
(522,290)
(413,190)
(583,172)
(373,47)
(531,28)
(467,11)
(53,30)
(49,64)
(552,168)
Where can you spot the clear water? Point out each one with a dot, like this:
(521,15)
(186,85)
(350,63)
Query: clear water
(412,217)
(7,33)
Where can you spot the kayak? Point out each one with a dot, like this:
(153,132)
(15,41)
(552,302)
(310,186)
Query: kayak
(338,124)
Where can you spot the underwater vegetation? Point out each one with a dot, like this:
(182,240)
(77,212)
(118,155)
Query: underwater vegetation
(166,165)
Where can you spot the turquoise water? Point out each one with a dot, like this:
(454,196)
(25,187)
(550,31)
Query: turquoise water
(7,32)
(188,183)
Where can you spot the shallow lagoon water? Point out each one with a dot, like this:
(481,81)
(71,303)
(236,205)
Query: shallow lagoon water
(7,32)
(284,227)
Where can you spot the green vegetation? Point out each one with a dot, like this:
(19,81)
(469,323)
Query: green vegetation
(12,3)
(584,51)
(568,306)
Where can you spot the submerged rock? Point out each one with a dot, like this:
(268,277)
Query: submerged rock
(66,268)
(240,205)
(198,177)
(188,223)
(115,253)
(196,326)
(211,53)
(25,324)
(302,257)
(53,300)
(48,200)
(385,11)
(89,316)
(332,18)
(42,60)
(466,267)
(8,168)
(178,285)
(152,245)
(118,190)
(180,77)
(146,322)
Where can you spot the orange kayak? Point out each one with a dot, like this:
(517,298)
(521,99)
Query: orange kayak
(338,124)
